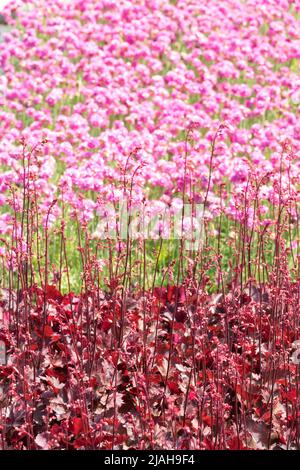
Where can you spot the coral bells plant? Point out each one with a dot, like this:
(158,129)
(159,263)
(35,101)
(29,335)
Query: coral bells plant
(149,225)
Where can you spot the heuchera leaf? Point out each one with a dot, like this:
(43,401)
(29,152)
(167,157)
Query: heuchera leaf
(77,425)
(173,387)
(52,293)
(48,332)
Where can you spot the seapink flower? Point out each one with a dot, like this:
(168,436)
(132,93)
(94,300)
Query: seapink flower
(97,92)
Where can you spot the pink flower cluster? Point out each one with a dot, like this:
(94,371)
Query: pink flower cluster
(98,78)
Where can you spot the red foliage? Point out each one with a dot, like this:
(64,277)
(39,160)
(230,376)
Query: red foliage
(222,379)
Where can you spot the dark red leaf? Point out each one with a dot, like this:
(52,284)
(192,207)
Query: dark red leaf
(77,426)
(173,387)
(48,332)
(52,293)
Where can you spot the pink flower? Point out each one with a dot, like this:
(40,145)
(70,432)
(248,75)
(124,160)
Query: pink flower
(96,120)
(54,97)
